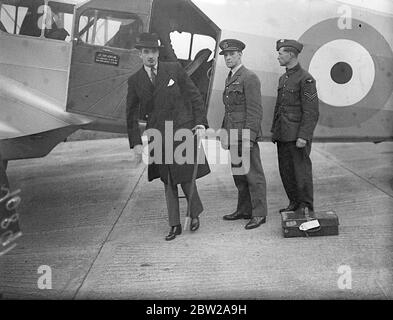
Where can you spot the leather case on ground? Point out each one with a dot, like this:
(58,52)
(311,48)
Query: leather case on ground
(296,224)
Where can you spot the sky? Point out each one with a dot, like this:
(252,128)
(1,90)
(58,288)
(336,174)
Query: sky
(378,5)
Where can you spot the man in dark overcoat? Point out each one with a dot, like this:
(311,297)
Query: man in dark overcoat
(163,94)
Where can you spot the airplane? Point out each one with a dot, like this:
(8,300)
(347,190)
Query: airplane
(64,64)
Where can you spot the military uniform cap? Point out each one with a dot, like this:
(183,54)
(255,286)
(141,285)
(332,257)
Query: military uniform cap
(231,45)
(289,43)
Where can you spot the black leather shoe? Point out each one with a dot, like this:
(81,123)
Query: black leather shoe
(175,231)
(194,224)
(255,222)
(236,216)
(291,207)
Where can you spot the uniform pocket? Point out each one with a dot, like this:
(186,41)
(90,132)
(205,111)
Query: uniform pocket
(236,94)
(237,118)
(293,116)
(293,94)
(236,87)
(237,124)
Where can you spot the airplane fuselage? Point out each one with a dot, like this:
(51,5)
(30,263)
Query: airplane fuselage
(49,87)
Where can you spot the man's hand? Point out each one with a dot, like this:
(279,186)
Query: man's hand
(136,154)
(224,142)
(301,143)
(247,144)
(199,130)
(224,145)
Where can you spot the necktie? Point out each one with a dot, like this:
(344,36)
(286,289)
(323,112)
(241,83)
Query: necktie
(153,75)
(229,75)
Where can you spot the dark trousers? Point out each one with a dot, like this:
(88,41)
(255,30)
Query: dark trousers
(251,186)
(172,201)
(296,172)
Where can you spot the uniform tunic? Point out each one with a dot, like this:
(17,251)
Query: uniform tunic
(243,110)
(295,116)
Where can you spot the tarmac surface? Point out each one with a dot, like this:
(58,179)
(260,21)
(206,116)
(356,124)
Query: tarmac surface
(95,220)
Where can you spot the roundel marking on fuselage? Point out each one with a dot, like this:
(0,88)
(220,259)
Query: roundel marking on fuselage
(345,72)
(353,69)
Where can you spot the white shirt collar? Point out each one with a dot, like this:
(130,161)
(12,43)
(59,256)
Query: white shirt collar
(148,69)
(234,70)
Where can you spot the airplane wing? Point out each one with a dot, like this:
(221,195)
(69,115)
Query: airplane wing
(26,111)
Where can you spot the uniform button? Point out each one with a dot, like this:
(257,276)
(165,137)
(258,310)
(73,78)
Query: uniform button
(146,116)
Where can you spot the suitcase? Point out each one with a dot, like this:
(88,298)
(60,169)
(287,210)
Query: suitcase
(297,224)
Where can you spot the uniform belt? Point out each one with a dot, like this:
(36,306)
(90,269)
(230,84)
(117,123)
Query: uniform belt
(282,109)
(230,111)
(289,107)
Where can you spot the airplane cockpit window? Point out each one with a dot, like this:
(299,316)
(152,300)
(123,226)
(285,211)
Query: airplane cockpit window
(11,16)
(59,19)
(112,29)
(188,37)
(35,18)
(33,21)
(180,44)
(186,45)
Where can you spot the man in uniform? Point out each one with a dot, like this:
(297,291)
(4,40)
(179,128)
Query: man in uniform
(243,110)
(164,93)
(295,118)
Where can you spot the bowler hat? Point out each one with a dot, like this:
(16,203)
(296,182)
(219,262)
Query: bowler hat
(148,40)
